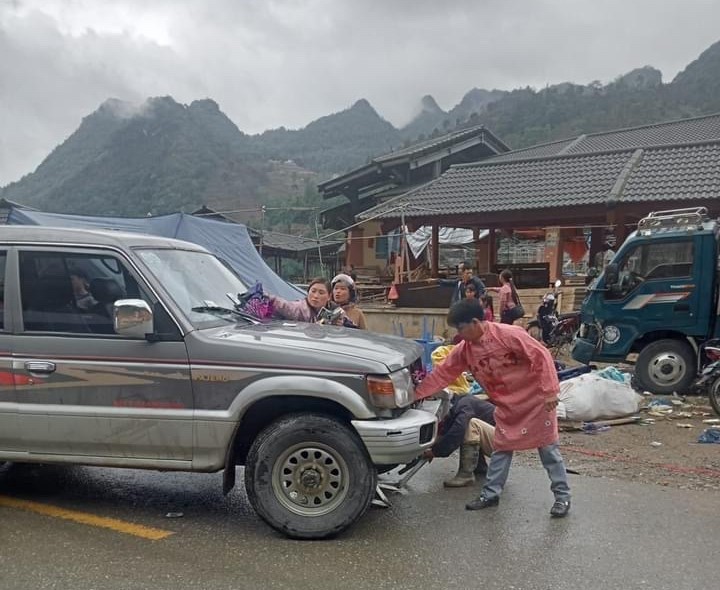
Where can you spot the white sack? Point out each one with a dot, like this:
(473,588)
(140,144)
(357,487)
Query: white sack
(591,397)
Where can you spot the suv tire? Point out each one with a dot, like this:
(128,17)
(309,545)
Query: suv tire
(666,366)
(309,476)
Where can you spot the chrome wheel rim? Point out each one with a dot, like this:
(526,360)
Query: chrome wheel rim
(667,369)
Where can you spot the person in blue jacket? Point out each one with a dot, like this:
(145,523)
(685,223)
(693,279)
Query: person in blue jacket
(466,277)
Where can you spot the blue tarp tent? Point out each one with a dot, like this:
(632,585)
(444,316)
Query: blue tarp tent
(228,241)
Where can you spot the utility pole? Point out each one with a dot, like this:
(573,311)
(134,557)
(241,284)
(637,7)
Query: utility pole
(262,228)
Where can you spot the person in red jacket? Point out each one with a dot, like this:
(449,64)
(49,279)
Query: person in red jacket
(520,378)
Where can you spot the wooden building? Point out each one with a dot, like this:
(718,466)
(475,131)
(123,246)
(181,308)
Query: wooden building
(595,181)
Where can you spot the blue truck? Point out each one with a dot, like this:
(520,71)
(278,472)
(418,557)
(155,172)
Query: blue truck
(657,299)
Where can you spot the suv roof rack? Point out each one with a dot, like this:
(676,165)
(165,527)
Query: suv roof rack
(689,219)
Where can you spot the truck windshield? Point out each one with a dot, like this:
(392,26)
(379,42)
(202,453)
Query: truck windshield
(198,283)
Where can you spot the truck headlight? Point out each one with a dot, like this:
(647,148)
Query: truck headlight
(391,391)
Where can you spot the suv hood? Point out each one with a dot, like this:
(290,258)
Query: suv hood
(325,344)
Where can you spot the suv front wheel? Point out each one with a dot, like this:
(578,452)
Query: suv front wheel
(309,476)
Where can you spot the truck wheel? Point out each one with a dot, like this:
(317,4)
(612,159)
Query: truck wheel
(666,366)
(309,476)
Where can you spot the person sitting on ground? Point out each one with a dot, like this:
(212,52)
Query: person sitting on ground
(345,295)
(457,433)
(311,308)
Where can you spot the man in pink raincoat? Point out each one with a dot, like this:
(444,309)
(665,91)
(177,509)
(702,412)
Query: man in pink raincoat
(520,377)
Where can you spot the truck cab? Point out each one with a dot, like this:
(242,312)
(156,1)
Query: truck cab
(657,298)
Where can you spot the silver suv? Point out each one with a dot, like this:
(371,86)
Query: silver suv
(125,350)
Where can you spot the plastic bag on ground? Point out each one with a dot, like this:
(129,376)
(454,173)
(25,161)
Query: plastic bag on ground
(614,374)
(592,397)
(710,435)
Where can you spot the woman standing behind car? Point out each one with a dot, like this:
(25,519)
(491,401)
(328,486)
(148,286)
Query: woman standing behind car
(310,308)
(507,296)
(345,295)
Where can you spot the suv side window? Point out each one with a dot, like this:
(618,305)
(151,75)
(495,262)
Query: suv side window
(3,260)
(68,292)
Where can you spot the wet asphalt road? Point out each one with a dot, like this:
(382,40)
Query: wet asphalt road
(619,535)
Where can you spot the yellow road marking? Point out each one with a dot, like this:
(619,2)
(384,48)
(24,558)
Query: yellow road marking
(89,519)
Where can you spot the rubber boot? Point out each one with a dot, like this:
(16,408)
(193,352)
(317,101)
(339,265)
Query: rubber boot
(468,461)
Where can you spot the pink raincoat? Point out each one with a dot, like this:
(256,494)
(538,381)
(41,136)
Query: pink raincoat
(518,374)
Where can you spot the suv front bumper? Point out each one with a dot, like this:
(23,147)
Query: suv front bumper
(398,440)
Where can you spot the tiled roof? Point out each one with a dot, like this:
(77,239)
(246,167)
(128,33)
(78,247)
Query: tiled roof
(673,132)
(577,180)
(668,133)
(649,174)
(439,142)
(552,148)
(676,173)
(288,242)
(442,146)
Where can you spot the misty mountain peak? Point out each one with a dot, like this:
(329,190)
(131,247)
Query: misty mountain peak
(645,77)
(363,105)
(121,109)
(430,105)
(478,98)
(205,104)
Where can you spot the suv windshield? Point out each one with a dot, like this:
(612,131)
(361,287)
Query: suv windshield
(195,280)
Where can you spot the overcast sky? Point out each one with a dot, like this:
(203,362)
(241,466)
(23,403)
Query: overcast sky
(286,62)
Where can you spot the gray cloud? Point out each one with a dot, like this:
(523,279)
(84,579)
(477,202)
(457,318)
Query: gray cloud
(285,62)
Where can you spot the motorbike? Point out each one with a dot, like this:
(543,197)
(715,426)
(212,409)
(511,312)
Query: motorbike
(708,380)
(553,329)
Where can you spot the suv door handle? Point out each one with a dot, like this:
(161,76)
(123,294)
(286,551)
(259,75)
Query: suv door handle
(681,307)
(40,367)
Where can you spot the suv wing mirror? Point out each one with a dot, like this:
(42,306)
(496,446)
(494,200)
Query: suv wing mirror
(133,317)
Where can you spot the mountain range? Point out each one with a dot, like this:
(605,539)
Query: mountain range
(163,156)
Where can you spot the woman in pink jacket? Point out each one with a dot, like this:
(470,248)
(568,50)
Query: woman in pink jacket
(308,309)
(519,376)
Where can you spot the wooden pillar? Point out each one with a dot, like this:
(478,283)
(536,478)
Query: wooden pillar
(597,239)
(553,252)
(354,247)
(435,251)
(616,217)
(491,251)
(476,247)
(621,231)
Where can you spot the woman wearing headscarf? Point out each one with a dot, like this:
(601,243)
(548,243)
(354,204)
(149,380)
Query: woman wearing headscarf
(345,295)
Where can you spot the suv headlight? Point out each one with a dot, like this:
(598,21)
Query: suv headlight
(391,391)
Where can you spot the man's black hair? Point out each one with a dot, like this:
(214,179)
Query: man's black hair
(465,311)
